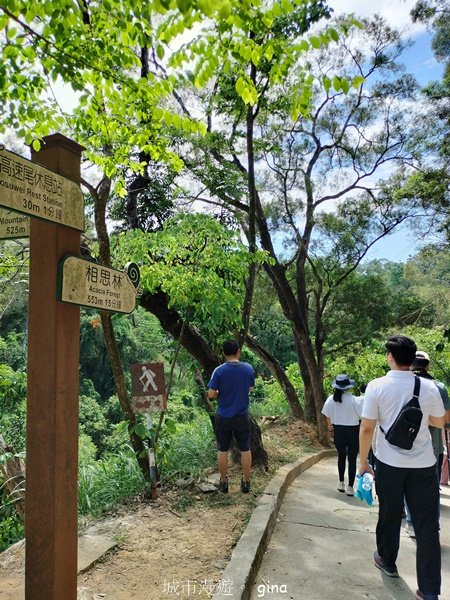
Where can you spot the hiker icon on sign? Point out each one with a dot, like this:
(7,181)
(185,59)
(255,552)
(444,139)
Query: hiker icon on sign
(147,378)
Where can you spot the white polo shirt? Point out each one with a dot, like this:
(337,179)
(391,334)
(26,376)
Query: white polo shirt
(346,412)
(383,400)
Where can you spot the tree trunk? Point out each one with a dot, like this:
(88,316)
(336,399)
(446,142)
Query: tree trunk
(101,195)
(13,472)
(122,393)
(279,374)
(171,321)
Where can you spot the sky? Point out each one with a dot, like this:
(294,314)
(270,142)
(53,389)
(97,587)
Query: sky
(419,61)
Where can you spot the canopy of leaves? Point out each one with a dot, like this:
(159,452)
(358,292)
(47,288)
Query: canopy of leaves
(198,263)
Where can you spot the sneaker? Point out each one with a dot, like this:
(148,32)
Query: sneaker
(409,528)
(421,596)
(245,486)
(341,487)
(223,486)
(350,491)
(380,564)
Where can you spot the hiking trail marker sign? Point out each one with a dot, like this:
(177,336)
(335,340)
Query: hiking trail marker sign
(90,284)
(148,387)
(27,187)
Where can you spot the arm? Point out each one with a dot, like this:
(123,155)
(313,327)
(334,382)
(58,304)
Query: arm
(330,425)
(212,394)
(365,440)
(437,421)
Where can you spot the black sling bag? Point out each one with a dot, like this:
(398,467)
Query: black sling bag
(405,428)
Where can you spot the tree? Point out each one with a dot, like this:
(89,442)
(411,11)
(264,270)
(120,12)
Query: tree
(430,184)
(101,50)
(323,125)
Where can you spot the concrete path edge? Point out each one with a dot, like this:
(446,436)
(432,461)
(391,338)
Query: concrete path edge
(240,573)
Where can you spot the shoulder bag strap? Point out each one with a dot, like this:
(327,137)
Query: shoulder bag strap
(414,400)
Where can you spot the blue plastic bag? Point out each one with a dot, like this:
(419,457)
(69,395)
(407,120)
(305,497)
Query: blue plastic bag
(364,488)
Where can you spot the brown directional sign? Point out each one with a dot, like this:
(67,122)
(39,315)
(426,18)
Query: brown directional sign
(89,284)
(13,225)
(28,188)
(148,387)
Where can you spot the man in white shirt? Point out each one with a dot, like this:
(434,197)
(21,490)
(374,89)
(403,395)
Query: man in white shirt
(401,473)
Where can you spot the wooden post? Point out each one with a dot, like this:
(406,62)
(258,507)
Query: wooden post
(52,406)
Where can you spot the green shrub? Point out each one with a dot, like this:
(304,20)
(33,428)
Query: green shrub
(11,531)
(108,482)
(190,450)
(182,407)
(274,402)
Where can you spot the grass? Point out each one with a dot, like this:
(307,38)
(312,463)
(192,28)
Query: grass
(110,481)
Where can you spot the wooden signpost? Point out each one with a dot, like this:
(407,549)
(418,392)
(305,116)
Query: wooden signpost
(50,191)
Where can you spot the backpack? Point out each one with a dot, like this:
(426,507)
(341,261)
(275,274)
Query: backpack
(405,428)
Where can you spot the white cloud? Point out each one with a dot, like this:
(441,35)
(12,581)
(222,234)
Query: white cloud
(396,12)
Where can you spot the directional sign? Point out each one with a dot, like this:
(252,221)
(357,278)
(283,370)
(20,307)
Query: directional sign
(148,387)
(28,188)
(13,225)
(89,284)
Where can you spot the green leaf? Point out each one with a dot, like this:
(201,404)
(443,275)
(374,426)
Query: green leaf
(358,81)
(345,85)
(326,81)
(240,85)
(337,83)
(333,34)
(256,56)
(315,42)
(141,430)
(160,51)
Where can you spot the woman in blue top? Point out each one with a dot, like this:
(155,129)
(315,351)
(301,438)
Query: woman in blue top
(343,412)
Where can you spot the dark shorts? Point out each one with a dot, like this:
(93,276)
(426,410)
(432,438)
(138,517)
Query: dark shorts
(238,425)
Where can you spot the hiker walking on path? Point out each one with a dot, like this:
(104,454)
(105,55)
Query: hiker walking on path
(343,412)
(230,384)
(404,473)
(420,367)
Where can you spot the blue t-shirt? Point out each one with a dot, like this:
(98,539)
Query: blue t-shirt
(233,381)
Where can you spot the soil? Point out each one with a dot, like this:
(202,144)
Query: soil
(178,545)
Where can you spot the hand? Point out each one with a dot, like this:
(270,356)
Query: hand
(364,467)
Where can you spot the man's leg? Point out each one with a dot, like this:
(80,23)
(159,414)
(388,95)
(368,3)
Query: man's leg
(390,491)
(222,459)
(246,464)
(422,496)
(241,430)
(223,437)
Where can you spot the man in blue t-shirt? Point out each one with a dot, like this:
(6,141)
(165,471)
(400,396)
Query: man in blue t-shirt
(230,384)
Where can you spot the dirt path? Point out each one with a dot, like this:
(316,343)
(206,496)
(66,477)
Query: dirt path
(169,554)
(178,546)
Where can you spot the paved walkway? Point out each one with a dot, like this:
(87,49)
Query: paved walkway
(322,546)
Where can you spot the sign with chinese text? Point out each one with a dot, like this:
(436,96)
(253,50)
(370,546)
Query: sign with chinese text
(28,188)
(89,284)
(148,387)
(13,225)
